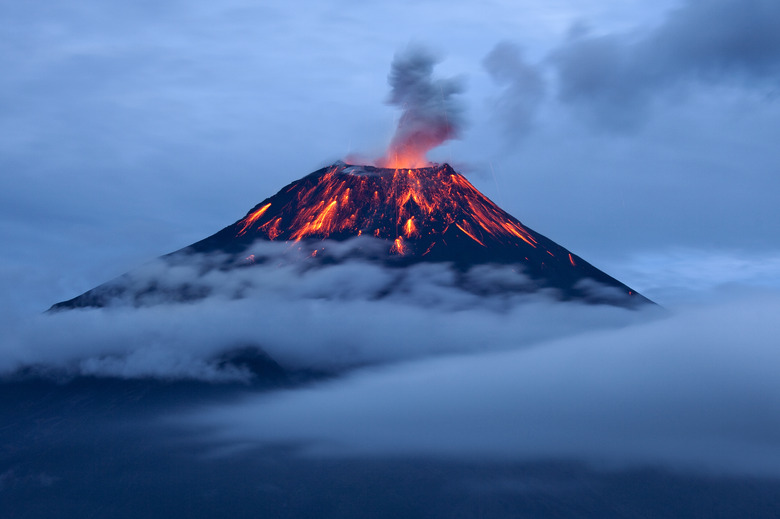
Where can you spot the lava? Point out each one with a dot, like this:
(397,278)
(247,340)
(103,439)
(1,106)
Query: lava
(402,206)
(420,215)
(252,218)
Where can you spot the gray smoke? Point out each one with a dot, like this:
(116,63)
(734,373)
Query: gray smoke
(431,114)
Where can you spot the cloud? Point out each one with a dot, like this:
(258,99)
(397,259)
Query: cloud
(695,391)
(523,88)
(334,318)
(680,276)
(615,78)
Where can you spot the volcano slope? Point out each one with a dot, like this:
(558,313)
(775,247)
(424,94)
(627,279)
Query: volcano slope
(395,218)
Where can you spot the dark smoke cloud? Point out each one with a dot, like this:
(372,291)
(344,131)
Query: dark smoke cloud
(430,113)
(695,391)
(616,78)
(523,88)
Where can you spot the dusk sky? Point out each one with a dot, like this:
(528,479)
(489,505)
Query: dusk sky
(642,136)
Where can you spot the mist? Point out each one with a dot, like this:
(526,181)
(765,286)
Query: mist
(332,319)
(694,392)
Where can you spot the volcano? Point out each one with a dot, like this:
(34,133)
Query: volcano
(393,217)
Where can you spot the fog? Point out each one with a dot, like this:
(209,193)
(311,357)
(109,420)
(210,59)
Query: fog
(332,318)
(695,391)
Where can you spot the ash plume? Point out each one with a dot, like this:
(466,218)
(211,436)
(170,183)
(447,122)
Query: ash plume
(431,114)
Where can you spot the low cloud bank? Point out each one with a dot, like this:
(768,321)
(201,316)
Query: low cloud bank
(676,276)
(334,318)
(695,391)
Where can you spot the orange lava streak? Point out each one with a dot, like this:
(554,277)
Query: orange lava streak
(273,231)
(571,260)
(469,234)
(398,246)
(323,220)
(410,229)
(413,204)
(252,218)
(492,222)
(521,233)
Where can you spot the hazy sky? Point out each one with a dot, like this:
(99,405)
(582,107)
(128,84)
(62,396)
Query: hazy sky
(619,129)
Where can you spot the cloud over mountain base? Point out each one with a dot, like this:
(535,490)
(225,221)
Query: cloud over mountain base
(695,391)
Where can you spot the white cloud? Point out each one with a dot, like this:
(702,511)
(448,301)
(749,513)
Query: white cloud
(331,318)
(697,390)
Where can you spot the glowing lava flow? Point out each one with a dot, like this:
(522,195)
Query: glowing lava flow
(252,218)
(402,206)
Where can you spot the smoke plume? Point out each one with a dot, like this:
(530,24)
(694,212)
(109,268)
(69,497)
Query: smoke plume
(431,115)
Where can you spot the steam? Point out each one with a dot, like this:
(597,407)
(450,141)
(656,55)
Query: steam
(431,115)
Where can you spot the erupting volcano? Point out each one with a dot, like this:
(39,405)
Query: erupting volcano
(396,218)
(401,212)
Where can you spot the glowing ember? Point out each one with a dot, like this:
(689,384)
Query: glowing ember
(410,229)
(398,246)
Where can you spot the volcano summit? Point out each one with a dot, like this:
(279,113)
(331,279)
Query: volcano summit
(392,217)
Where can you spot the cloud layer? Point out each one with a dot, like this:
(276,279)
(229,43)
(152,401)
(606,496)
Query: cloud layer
(332,318)
(695,391)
